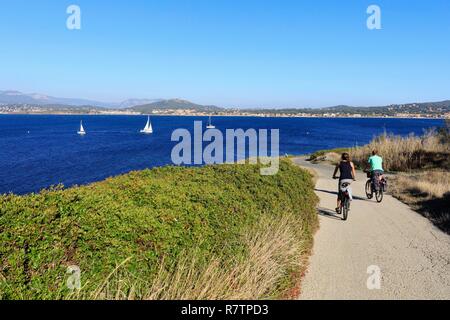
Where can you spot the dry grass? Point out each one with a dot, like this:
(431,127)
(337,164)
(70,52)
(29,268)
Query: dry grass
(432,184)
(332,156)
(329,157)
(428,193)
(274,253)
(406,153)
(273,250)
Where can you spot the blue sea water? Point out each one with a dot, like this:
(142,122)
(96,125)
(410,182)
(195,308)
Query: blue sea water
(37,151)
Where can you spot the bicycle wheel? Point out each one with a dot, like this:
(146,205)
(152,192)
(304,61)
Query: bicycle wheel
(345,208)
(369,192)
(379,195)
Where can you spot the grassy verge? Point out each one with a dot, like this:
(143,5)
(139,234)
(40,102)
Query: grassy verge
(428,193)
(218,232)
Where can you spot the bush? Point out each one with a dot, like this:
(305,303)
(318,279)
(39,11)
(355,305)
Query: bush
(144,224)
(322,153)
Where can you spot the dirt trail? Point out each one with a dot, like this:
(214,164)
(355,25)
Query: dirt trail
(412,255)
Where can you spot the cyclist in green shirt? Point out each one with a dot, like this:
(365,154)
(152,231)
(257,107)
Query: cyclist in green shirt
(376,167)
(376,162)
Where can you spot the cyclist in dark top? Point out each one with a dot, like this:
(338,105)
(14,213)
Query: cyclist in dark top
(347,174)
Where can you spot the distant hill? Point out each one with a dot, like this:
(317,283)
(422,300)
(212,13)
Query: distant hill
(408,108)
(175,104)
(17,97)
(54,109)
(136,102)
(427,108)
(157,105)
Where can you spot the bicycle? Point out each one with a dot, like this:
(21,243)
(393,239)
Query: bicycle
(372,189)
(345,199)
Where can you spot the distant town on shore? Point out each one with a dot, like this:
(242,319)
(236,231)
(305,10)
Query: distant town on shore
(13,102)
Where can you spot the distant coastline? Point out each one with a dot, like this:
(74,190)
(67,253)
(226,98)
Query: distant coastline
(178,107)
(190,114)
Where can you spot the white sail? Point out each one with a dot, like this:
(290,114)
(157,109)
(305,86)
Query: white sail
(210,126)
(148,127)
(81,132)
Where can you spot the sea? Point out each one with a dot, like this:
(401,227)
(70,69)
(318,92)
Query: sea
(40,151)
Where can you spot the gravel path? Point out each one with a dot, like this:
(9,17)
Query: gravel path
(412,256)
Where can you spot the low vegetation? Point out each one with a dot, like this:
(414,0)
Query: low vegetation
(332,155)
(217,232)
(428,193)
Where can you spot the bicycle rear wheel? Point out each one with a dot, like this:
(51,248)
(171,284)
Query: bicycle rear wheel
(379,195)
(369,192)
(345,209)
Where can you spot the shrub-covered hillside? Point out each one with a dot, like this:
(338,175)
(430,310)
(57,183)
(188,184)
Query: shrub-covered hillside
(190,233)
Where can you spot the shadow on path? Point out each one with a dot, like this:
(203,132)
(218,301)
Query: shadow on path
(335,193)
(329,214)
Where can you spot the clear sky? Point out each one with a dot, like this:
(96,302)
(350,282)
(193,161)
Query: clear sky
(247,53)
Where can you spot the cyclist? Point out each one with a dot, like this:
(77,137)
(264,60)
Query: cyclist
(376,168)
(347,174)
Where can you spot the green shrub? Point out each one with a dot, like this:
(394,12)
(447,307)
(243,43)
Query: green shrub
(147,217)
(318,154)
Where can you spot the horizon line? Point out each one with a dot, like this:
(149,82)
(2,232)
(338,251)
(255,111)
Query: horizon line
(112,103)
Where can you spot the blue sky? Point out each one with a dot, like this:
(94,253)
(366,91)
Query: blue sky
(245,53)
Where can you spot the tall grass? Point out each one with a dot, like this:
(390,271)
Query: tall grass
(429,185)
(406,153)
(274,251)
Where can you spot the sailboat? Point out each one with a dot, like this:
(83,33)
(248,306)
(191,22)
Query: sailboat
(210,125)
(148,127)
(81,132)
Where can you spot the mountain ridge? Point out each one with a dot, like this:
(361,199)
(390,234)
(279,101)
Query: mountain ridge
(18,97)
(175,104)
